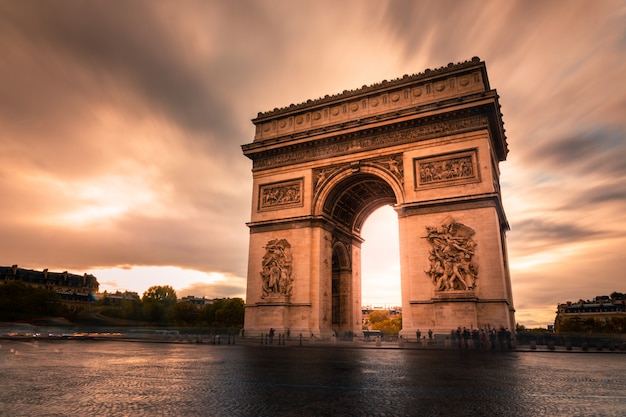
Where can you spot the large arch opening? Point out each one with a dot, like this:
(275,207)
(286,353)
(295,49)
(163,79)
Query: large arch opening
(380,264)
(351,201)
(349,204)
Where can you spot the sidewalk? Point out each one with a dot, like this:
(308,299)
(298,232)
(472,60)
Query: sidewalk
(432,345)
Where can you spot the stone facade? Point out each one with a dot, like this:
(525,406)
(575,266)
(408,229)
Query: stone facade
(592,315)
(74,290)
(429,145)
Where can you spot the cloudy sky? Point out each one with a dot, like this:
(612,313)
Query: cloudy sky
(121,124)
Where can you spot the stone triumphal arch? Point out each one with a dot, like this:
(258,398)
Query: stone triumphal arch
(429,145)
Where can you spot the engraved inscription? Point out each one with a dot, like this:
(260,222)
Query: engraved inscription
(280,195)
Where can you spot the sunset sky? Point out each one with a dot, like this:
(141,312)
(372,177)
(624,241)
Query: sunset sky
(121,124)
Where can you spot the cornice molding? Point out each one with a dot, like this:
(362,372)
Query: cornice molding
(463,203)
(372,138)
(426,75)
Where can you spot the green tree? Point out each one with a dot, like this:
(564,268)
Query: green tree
(163,294)
(132,310)
(231,313)
(618,324)
(19,300)
(207,313)
(224,312)
(158,301)
(591,325)
(186,314)
(126,309)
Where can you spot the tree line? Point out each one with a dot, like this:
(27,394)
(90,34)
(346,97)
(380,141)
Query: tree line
(159,305)
(592,325)
(19,301)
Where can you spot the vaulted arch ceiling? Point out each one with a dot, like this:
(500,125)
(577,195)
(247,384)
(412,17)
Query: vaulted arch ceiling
(355,198)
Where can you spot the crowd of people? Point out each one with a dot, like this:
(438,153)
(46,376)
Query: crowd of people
(483,338)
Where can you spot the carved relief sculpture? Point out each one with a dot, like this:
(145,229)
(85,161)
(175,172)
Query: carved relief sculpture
(324,150)
(446,170)
(277,268)
(452,266)
(280,195)
(391,163)
(454,169)
(321,175)
(394,165)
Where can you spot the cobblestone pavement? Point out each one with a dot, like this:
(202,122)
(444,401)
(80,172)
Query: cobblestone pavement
(72,378)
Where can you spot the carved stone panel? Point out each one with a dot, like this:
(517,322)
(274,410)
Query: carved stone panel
(393,164)
(276,273)
(445,170)
(321,175)
(281,195)
(452,262)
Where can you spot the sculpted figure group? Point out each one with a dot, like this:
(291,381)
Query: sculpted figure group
(451,257)
(277,268)
(446,170)
(274,196)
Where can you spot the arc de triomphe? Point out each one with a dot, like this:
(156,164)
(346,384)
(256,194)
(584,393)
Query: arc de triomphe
(428,144)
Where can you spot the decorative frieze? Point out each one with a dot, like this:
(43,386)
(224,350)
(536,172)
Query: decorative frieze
(376,141)
(450,169)
(281,195)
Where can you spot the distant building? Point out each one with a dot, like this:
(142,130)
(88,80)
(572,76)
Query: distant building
(200,302)
(117,297)
(602,308)
(75,290)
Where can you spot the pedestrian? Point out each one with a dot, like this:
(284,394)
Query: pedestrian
(466,336)
(475,338)
(502,338)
